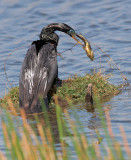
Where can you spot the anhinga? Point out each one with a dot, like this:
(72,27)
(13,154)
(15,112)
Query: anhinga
(40,69)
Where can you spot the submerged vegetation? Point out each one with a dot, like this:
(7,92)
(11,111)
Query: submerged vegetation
(75,88)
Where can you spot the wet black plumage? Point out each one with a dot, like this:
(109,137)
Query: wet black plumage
(39,68)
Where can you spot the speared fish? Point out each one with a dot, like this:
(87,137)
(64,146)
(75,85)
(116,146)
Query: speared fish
(86,46)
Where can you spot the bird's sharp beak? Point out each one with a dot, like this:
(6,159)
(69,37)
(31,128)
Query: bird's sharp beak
(86,45)
(73,36)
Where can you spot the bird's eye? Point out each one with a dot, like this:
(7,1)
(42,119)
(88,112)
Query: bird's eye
(71,32)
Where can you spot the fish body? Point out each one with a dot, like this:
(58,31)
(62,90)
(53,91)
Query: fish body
(86,47)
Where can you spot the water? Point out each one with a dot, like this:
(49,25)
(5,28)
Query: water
(105,23)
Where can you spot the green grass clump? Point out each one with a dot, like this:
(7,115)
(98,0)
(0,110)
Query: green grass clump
(13,94)
(75,88)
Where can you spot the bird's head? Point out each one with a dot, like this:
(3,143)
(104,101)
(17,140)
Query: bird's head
(48,34)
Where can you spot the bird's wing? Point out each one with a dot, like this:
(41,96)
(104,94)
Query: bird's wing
(33,80)
(38,72)
(26,77)
(40,83)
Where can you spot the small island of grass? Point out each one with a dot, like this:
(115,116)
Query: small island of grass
(74,89)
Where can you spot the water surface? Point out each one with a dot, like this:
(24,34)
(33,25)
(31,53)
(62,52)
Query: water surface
(105,23)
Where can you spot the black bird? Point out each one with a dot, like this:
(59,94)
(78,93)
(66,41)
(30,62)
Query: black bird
(40,69)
